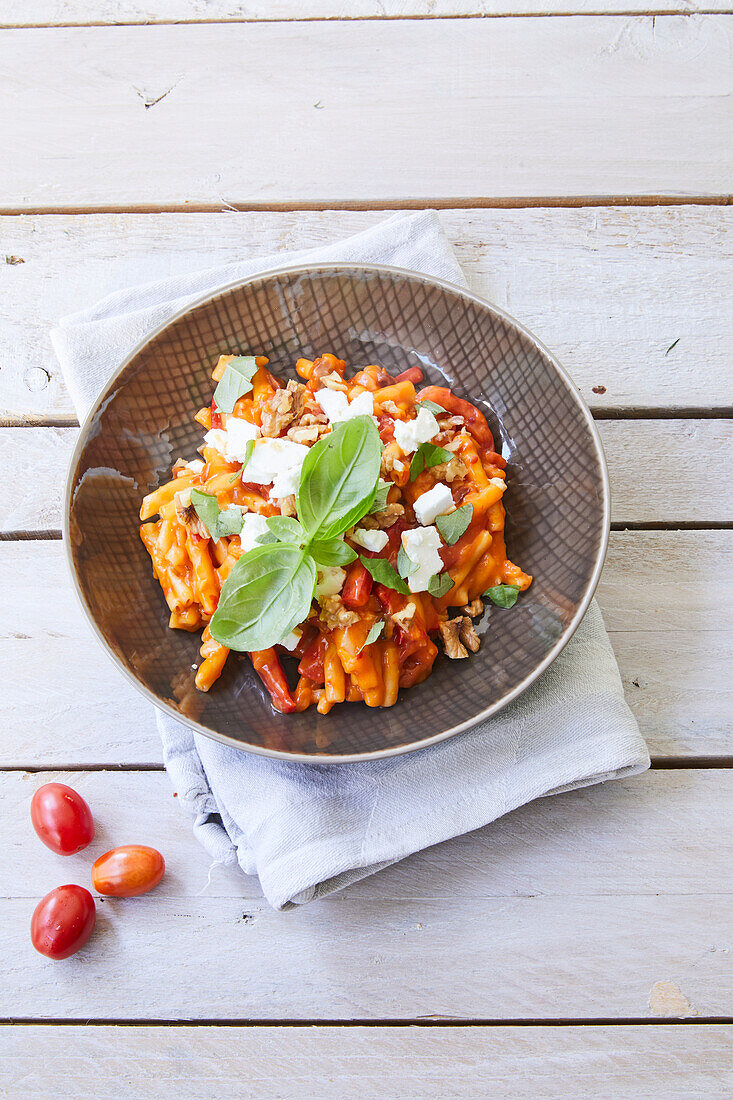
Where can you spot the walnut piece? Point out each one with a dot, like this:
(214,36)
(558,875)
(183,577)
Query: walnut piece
(379,520)
(391,460)
(334,381)
(449,471)
(287,505)
(451,641)
(404,617)
(474,608)
(391,408)
(282,409)
(468,635)
(335,614)
(306,434)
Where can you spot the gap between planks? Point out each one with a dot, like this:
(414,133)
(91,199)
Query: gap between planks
(407,1021)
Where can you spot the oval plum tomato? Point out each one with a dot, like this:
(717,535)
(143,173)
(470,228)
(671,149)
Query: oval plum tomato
(61,818)
(127,871)
(63,921)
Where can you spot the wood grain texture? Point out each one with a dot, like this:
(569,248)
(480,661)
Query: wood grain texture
(571,908)
(28,13)
(496,108)
(660,606)
(648,464)
(608,290)
(411,1063)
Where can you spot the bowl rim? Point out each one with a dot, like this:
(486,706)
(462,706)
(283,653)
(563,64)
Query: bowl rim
(341,267)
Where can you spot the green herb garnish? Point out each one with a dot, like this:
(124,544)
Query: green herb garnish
(405,565)
(440,584)
(247,455)
(455,523)
(217,522)
(431,407)
(332,552)
(503,595)
(235,382)
(428,455)
(385,574)
(372,636)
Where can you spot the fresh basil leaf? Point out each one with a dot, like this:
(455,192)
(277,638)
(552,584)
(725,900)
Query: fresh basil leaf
(286,529)
(503,595)
(380,496)
(332,552)
(455,523)
(266,538)
(217,522)
(405,565)
(427,455)
(247,455)
(385,574)
(235,382)
(338,478)
(267,593)
(440,584)
(372,636)
(431,407)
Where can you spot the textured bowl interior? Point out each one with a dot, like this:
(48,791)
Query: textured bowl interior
(556,500)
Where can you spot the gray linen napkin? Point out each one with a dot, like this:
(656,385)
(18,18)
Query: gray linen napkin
(309,829)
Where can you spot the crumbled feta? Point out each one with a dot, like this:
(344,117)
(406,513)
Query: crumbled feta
(421,547)
(276,462)
(232,441)
(196,465)
(398,466)
(337,406)
(498,482)
(239,433)
(370,540)
(292,639)
(330,580)
(436,502)
(409,434)
(253,525)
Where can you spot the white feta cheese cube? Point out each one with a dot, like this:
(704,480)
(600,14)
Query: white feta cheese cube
(409,434)
(436,502)
(253,525)
(216,438)
(421,547)
(276,462)
(370,540)
(337,406)
(239,433)
(196,465)
(329,581)
(292,639)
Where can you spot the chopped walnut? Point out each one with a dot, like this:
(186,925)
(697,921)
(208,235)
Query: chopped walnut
(379,520)
(186,514)
(404,617)
(391,408)
(474,608)
(335,614)
(334,381)
(449,471)
(451,642)
(304,433)
(391,460)
(468,634)
(287,505)
(282,409)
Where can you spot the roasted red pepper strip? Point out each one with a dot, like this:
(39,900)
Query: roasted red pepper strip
(267,666)
(475,420)
(312,664)
(412,374)
(358,586)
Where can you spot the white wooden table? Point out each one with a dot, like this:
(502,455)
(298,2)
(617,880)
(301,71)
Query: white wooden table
(581,157)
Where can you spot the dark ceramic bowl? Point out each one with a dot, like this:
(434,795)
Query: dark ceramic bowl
(557,498)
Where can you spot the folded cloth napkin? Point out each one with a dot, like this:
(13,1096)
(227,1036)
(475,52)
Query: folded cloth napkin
(308,830)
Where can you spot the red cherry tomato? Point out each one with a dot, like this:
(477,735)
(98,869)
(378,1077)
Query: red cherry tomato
(61,818)
(127,871)
(63,921)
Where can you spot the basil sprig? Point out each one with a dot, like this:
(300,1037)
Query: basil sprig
(235,382)
(427,455)
(380,496)
(384,573)
(440,585)
(503,595)
(247,455)
(372,636)
(405,565)
(431,407)
(455,523)
(270,589)
(217,522)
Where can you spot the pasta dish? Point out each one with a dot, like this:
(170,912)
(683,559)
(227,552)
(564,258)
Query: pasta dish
(331,524)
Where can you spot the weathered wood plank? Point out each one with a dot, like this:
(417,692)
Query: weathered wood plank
(573,908)
(29,13)
(642,836)
(521,1063)
(122,116)
(652,465)
(609,290)
(660,606)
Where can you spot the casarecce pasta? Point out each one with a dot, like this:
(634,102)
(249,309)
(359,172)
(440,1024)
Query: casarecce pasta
(429,536)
